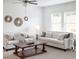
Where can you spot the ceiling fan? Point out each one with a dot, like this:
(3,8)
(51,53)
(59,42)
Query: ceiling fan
(25,2)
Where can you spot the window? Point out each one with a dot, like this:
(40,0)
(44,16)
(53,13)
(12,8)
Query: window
(63,22)
(56,22)
(70,22)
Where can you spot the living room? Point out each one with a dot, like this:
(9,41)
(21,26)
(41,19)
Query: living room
(45,19)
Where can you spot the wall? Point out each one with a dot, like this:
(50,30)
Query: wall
(37,16)
(66,7)
(18,10)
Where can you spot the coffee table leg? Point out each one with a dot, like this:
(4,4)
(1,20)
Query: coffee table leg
(35,48)
(43,49)
(16,52)
(22,53)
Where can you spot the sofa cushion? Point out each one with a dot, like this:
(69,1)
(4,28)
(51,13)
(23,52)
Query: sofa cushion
(51,40)
(48,34)
(55,35)
(8,36)
(56,41)
(43,34)
(44,38)
(19,36)
(61,37)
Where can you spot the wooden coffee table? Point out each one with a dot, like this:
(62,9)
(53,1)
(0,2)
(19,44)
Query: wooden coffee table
(29,49)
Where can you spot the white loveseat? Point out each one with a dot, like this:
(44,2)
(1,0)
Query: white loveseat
(9,39)
(58,39)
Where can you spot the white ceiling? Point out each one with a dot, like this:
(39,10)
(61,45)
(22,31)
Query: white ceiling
(52,2)
(44,3)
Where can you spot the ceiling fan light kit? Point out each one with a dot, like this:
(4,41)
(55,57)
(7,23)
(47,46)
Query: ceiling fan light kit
(25,2)
(26,18)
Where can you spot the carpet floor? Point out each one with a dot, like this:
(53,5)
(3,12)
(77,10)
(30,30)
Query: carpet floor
(52,53)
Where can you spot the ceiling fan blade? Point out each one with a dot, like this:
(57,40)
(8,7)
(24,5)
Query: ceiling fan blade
(32,0)
(17,2)
(33,3)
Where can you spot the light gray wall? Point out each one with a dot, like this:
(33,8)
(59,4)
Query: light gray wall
(18,10)
(37,16)
(71,6)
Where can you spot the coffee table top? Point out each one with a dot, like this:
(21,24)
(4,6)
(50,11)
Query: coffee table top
(25,45)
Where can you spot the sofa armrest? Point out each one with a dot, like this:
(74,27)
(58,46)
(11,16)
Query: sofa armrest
(39,36)
(5,43)
(66,43)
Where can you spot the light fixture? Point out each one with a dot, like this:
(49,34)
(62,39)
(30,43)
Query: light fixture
(18,21)
(25,4)
(25,18)
(8,18)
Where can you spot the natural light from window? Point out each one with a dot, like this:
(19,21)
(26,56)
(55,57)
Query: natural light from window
(56,22)
(70,22)
(63,22)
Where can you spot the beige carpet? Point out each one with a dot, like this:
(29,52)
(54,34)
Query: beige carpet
(52,53)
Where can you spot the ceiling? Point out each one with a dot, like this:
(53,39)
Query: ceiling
(44,3)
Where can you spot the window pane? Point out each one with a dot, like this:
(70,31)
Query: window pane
(56,18)
(70,22)
(70,18)
(71,28)
(56,21)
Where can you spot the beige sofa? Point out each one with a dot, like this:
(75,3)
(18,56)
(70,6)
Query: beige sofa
(61,40)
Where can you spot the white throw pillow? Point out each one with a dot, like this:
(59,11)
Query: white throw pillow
(61,37)
(8,36)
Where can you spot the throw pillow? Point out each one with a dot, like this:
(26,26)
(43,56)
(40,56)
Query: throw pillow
(28,36)
(43,34)
(67,36)
(22,34)
(9,37)
(61,37)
